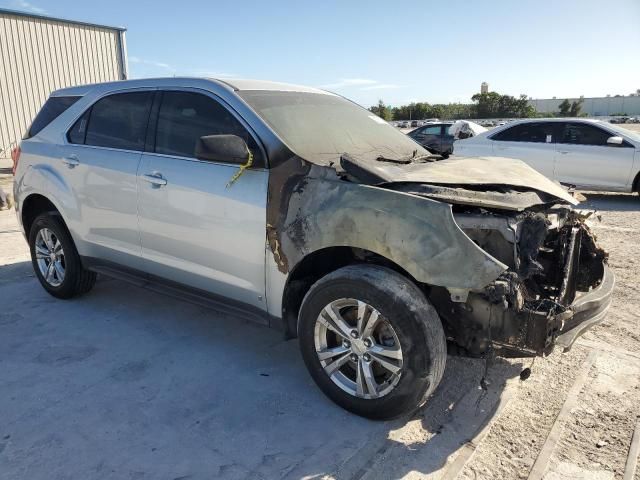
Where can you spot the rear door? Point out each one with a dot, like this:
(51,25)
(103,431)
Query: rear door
(585,159)
(100,161)
(196,228)
(429,136)
(531,142)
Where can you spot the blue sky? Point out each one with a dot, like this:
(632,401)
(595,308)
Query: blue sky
(435,51)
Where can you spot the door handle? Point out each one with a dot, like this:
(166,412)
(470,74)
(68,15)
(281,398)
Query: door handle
(563,152)
(155,179)
(71,161)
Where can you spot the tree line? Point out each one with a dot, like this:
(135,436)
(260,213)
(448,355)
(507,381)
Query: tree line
(485,105)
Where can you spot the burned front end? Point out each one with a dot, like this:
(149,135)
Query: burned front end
(557,283)
(510,265)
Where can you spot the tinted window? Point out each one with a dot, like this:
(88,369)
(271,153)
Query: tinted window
(119,121)
(184,117)
(433,130)
(78,132)
(581,134)
(51,110)
(527,132)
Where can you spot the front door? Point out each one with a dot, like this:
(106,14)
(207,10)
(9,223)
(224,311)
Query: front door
(585,159)
(531,142)
(196,227)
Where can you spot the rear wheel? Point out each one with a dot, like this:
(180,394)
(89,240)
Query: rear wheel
(371,341)
(55,258)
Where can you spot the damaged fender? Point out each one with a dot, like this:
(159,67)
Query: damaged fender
(418,234)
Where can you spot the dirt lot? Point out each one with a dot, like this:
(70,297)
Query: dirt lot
(124,383)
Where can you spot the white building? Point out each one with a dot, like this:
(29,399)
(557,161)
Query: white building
(39,54)
(593,106)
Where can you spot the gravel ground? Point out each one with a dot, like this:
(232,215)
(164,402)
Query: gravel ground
(122,384)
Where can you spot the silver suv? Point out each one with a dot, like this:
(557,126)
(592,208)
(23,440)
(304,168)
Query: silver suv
(300,210)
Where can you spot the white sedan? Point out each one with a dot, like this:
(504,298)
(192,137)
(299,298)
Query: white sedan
(588,154)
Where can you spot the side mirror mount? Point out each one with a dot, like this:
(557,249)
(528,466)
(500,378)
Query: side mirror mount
(222,148)
(614,141)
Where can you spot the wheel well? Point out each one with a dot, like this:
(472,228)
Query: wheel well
(636,183)
(33,206)
(315,266)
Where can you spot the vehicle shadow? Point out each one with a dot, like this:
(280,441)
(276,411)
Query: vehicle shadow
(430,440)
(176,390)
(616,202)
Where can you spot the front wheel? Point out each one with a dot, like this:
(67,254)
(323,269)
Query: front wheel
(371,341)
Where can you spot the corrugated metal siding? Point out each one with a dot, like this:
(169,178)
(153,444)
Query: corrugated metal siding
(39,55)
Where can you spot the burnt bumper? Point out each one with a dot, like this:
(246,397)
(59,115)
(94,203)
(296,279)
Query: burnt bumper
(587,310)
(479,324)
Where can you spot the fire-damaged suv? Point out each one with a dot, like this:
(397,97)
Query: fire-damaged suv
(296,208)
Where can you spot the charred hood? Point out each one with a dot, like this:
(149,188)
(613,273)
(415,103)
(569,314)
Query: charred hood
(489,182)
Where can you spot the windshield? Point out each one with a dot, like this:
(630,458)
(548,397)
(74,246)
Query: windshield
(635,136)
(320,127)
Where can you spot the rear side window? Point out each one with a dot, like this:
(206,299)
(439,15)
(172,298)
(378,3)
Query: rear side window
(51,110)
(433,130)
(536,132)
(117,121)
(581,134)
(184,117)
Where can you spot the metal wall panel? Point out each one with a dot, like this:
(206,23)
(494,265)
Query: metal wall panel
(595,106)
(39,55)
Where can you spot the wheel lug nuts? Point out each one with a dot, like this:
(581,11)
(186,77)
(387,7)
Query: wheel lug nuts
(346,344)
(367,343)
(367,357)
(354,357)
(354,333)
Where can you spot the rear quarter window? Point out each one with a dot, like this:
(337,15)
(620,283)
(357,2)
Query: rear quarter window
(51,110)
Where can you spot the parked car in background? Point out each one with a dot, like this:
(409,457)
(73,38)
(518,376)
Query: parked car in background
(588,154)
(618,120)
(298,209)
(435,137)
(414,123)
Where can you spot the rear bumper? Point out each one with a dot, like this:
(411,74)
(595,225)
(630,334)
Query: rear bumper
(586,311)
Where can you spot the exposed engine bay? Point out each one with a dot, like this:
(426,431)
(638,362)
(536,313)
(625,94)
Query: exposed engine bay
(552,257)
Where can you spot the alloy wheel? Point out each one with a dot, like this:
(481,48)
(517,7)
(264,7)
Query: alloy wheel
(50,257)
(358,348)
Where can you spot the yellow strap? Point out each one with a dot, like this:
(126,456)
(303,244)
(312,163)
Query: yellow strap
(241,170)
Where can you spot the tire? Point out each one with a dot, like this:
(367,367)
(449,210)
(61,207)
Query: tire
(415,326)
(75,279)
(445,155)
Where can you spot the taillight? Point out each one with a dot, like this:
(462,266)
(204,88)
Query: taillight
(15,156)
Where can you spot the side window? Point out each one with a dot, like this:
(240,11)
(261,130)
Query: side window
(78,132)
(433,130)
(581,134)
(536,132)
(117,121)
(184,117)
(51,110)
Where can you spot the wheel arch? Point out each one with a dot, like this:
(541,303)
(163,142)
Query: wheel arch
(315,265)
(34,205)
(635,187)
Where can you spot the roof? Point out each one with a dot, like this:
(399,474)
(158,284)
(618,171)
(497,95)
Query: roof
(19,13)
(247,84)
(554,119)
(230,84)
